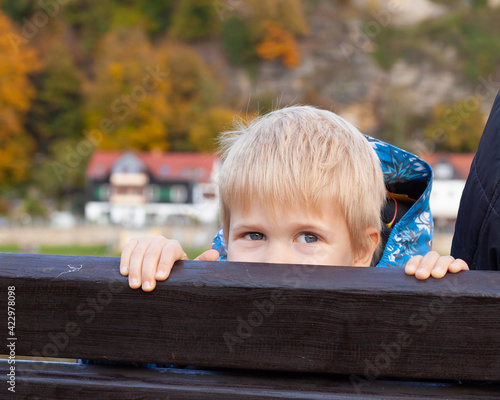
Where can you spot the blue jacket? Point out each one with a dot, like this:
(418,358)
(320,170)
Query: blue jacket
(404,173)
(477,230)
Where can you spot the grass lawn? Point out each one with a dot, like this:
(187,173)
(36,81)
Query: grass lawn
(9,248)
(102,250)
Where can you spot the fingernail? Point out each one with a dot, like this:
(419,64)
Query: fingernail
(160,275)
(420,271)
(133,282)
(124,270)
(146,285)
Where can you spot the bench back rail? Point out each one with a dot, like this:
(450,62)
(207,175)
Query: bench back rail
(366,323)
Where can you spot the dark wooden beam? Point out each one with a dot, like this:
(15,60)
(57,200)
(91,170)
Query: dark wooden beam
(55,381)
(368,322)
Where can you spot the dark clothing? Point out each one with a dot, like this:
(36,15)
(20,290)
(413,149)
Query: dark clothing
(477,231)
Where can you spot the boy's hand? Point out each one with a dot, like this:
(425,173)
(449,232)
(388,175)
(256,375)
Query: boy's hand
(434,264)
(149,259)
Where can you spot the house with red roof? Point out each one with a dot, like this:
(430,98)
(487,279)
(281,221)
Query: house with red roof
(450,173)
(139,189)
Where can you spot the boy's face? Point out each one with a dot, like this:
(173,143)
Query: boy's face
(292,237)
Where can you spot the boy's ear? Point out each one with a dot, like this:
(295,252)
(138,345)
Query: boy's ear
(364,256)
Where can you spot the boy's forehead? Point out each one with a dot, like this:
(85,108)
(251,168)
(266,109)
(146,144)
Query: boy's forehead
(275,209)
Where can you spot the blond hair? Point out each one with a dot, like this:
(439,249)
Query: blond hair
(300,156)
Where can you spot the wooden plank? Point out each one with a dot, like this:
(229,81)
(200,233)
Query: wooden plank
(63,381)
(368,322)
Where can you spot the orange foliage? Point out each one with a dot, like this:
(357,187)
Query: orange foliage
(16,93)
(278,43)
(131,88)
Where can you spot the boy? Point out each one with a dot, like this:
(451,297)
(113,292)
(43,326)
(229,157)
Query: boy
(303,186)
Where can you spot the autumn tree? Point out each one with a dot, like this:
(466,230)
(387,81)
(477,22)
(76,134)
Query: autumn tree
(16,93)
(129,92)
(193,91)
(270,30)
(456,127)
(279,44)
(204,131)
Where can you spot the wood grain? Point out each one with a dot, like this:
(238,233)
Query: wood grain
(65,381)
(368,322)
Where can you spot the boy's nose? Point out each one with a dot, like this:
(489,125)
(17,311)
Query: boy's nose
(279,254)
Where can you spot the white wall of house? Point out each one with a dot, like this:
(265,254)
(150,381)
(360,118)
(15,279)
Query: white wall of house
(445,198)
(204,210)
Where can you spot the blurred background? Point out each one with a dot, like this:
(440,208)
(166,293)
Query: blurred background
(109,109)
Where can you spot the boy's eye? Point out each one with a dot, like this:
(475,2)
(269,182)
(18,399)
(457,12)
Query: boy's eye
(255,236)
(307,238)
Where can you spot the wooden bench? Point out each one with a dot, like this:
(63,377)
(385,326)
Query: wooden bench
(249,331)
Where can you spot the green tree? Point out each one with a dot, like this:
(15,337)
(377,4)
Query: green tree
(55,121)
(57,109)
(160,13)
(18,9)
(239,40)
(195,19)
(89,20)
(456,127)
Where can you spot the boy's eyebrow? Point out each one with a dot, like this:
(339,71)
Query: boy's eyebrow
(317,228)
(247,226)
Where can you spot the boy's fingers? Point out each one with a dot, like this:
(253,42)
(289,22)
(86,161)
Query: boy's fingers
(135,267)
(441,267)
(458,265)
(150,262)
(127,251)
(426,265)
(209,255)
(412,265)
(171,252)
